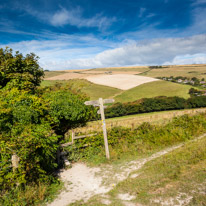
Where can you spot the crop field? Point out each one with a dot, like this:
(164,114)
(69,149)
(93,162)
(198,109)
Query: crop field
(126,84)
(190,71)
(137,69)
(153,89)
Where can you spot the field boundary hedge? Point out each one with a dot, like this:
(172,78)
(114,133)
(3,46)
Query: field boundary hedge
(147,105)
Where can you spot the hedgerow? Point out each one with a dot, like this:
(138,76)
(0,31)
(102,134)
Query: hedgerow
(154,104)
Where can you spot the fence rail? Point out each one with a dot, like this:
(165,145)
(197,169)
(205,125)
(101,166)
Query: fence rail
(77,137)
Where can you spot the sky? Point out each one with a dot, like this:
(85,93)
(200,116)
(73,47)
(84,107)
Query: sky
(81,34)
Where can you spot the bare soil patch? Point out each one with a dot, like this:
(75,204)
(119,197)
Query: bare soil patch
(120,81)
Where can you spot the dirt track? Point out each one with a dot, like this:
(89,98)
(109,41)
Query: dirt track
(82,182)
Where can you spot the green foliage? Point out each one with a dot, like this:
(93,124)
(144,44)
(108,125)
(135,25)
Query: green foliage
(67,110)
(143,139)
(26,132)
(19,71)
(32,122)
(154,104)
(31,194)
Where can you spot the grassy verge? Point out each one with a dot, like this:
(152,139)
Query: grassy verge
(34,194)
(177,178)
(154,89)
(179,174)
(135,120)
(140,141)
(174,178)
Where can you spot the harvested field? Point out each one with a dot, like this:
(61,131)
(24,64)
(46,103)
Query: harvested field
(68,75)
(112,72)
(120,81)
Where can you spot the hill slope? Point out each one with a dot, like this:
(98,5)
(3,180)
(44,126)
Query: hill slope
(153,89)
(94,91)
(198,71)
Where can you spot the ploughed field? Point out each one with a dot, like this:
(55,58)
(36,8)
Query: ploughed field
(120,81)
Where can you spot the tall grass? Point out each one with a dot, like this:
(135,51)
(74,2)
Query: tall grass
(33,194)
(139,141)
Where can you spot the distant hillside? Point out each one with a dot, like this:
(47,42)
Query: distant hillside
(153,89)
(198,71)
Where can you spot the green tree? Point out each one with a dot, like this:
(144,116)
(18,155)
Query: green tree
(33,120)
(19,71)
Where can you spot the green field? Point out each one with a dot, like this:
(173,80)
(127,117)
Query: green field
(198,71)
(94,91)
(48,83)
(53,73)
(153,89)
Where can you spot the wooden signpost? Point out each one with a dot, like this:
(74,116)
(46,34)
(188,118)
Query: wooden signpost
(100,103)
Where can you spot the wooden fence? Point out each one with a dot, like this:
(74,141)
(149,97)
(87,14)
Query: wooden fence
(76,137)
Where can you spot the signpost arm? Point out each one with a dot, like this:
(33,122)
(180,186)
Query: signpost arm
(104,127)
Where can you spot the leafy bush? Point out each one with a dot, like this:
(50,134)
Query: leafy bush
(32,121)
(19,71)
(26,132)
(67,110)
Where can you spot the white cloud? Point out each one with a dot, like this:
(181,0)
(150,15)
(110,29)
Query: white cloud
(61,18)
(142,11)
(199,2)
(59,54)
(72,17)
(188,59)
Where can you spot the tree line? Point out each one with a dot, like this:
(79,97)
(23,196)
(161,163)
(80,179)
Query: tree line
(154,104)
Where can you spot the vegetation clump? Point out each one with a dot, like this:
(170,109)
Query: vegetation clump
(138,141)
(32,122)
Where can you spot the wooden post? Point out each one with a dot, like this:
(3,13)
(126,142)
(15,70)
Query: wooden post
(58,156)
(73,136)
(99,103)
(15,162)
(104,127)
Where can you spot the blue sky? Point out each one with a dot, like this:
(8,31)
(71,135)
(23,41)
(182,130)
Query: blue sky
(78,34)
